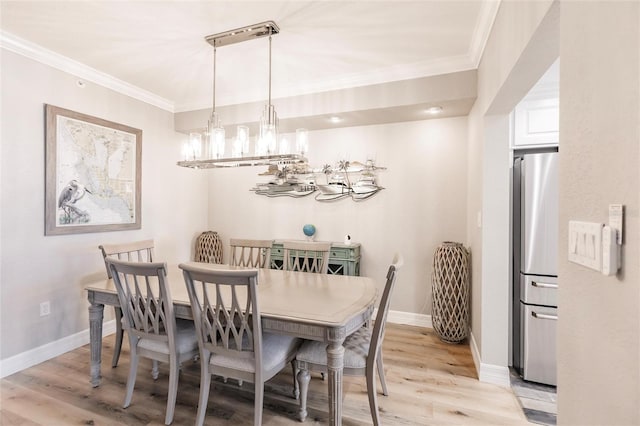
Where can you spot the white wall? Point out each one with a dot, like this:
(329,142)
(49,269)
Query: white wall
(35,268)
(599,317)
(423,203)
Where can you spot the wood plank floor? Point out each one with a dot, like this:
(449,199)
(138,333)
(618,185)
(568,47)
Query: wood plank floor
(430,383)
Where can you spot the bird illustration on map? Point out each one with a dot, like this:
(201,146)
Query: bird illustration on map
(69,195)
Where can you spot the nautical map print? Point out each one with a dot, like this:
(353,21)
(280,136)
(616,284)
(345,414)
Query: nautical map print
(96,174)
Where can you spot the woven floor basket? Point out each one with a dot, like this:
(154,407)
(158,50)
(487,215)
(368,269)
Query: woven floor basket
(209,248)
(450,288)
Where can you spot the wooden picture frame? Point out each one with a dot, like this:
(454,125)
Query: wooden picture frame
(93,174)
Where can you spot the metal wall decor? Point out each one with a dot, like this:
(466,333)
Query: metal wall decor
(346,179)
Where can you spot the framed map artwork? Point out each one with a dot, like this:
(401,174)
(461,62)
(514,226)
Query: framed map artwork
(93,170)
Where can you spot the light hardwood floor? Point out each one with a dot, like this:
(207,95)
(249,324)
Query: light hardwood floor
(430,383)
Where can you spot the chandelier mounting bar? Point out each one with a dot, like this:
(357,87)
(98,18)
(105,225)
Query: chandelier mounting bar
(263,29)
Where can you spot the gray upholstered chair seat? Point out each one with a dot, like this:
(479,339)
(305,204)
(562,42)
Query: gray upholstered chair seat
(186,339)
(275,347)
(356,348)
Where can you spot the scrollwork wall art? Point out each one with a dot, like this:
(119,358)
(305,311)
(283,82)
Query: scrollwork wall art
(354,180)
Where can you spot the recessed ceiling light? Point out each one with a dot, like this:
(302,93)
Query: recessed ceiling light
(434,110)
(335,119)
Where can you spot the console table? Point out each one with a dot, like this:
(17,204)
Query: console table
(344,259)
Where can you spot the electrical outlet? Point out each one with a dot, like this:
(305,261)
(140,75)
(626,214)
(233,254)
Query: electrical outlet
(45,308)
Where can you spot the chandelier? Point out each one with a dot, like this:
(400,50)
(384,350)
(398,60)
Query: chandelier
(208,150)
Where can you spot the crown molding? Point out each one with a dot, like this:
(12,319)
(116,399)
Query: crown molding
(486,18)
(36,52)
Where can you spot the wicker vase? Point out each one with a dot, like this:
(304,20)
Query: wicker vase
(209,248)
(450,288)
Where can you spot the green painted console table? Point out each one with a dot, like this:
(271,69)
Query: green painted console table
(344,259)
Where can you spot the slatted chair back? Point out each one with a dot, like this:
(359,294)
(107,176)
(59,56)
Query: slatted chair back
(251,253)
(137,251)
(306,256)
(225,311)
(145,299)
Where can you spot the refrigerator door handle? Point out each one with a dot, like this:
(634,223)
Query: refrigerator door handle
(543,285)
(544,316)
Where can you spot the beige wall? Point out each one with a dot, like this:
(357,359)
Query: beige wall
(514,58)
(35,268)
(599,317)
(423,203)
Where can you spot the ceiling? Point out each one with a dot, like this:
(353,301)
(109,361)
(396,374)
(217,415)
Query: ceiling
(156,49)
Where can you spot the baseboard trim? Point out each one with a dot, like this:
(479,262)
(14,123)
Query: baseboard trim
(409,318)
(43,353)
(488,373)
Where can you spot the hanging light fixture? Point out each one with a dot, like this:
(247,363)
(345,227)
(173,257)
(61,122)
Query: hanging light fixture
(266,152)
(267,140)
(215,131)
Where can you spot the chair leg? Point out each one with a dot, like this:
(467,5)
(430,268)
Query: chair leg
(373,396)
(303,379)
(131,381)
(154,370)
(383,381)
(205,385)
(119,333)
(174,375)
(296,386)
(259,398)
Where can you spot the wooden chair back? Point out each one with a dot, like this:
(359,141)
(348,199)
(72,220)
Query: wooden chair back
(225,311)
(145,299)
(377,334)
(306,256)
(251,253)
(137,251)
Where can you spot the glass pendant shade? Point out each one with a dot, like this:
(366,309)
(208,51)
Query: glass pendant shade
(241,144)
(192,150)
(283,149)
(217,143)
(302,141)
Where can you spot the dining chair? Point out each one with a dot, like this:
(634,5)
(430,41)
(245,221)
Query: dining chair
(251,253)
(150,323)
(136,251)
(363,352)
(226,313)
(306,256)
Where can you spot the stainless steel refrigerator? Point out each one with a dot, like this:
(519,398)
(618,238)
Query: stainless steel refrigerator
(535,276)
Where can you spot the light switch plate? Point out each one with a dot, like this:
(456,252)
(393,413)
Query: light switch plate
(585,244)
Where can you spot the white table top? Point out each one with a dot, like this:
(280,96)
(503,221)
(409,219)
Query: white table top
(304,297)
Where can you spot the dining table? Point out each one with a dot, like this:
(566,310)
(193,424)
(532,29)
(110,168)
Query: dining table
(321,307)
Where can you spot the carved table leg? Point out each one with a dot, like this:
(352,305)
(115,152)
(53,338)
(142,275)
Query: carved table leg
(335,366)
(303,378)
(96,314)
